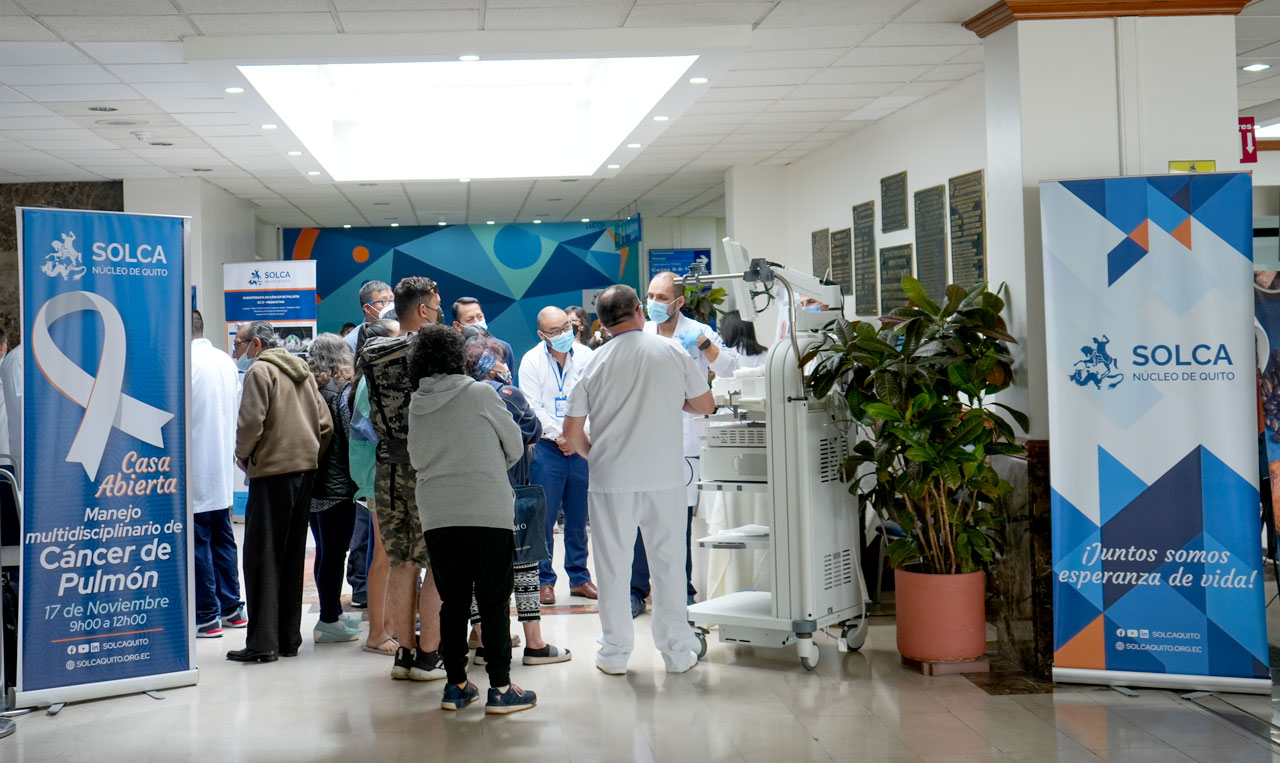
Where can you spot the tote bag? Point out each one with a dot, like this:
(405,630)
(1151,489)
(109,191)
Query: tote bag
(531,525)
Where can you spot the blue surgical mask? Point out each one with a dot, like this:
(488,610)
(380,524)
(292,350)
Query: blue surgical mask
(481,324)
(244,361)
(659,312)
(563,342)
(813,308)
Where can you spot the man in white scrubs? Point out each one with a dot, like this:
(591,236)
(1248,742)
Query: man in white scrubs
(711,355)
(634,389)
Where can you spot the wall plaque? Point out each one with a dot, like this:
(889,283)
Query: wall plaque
(821,252)
(895,262)
(931,241)
(842,260)
(968,229)
(864,259)
(893,203)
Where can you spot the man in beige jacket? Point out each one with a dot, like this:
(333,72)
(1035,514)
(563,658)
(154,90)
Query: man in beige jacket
(283,427)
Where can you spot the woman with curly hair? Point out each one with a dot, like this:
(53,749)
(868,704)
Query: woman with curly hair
(461,443)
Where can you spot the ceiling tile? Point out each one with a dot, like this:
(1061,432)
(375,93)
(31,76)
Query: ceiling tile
(1262,8)
(155,73)
(850,90)
(194,105)
(921,34)
(81,8)
(64,149)
(972,55)
(944,11)
(951,72)
(759,77)
(210,118)
(698,14)
(921,88)
(802,13)
(60,74)
(24,109)
(789,59)
(848,74)
(252,6)
(407,5)
(819,104)
(410,21)
(172,91)
(770,117)
(803,38)
(218,131)
(119,28)
(24,28)
(908,55)
(1258,28)
(264,23)
(719,94)
(135,52)
(79,92)
(595,16)
(727,107)
(39,53)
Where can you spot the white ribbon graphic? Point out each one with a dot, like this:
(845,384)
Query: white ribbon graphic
(100,396)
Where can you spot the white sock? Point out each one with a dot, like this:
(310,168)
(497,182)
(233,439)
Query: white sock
(500,689)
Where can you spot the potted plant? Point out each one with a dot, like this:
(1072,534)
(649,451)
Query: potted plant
(702,303)
(917,386)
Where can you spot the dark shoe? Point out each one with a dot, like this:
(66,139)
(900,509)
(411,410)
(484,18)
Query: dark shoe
(637,607)
(288,652)
(250,655)
(457,697)
(513,700)
(587,590)
(426,666)
(404,661)
(360,600)
(547,595)
(546,655)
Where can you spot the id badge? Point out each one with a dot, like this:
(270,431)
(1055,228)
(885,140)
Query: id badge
(562,405)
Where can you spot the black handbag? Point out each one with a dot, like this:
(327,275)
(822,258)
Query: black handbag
(531,525)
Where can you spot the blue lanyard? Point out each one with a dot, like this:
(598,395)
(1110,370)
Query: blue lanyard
(561,373)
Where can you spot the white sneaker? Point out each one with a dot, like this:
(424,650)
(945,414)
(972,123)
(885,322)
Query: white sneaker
(614,665)
(680,662)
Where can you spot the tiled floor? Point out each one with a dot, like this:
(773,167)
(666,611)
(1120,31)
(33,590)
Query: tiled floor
(336,703)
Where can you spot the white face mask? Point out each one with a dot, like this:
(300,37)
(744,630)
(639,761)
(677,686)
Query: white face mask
(385,310)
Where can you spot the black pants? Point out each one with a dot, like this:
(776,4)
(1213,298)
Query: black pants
(464,559)
(332,530)
(275,550)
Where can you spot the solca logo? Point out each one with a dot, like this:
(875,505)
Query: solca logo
(255,278)
(1097,367)
(64,260)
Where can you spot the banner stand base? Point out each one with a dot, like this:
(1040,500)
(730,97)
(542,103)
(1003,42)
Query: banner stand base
(1115,678)
(100,690)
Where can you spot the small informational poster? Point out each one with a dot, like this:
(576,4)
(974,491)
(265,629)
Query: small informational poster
(893,203)
(931,240)
(106,595)
(677,261)
(968,229)
(280,292)
(842,260)
(864,259)
(895,264)
(821,252)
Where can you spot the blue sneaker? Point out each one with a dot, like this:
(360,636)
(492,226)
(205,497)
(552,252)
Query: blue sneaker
(457,697)
(513,700)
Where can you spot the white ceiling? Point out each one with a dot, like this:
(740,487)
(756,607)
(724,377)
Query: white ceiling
(815,72)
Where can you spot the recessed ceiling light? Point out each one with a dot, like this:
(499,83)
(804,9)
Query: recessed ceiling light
(613,166)
(442,222)
(469,57)
(295,153)
(464,180)
(313,172)
(161,143)
(103,108)
(234,90)
(1257,67)
(354,117)
(488,222)
(586,219)
(395,225)
(661,118)
(269,126)
(698,80)
(537,222)
(346,225)
(633,145)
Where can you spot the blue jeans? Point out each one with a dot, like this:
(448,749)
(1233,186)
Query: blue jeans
(217,569)
(360,551)
(564,480)
(640,564)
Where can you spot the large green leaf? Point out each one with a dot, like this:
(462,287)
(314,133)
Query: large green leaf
(915,292)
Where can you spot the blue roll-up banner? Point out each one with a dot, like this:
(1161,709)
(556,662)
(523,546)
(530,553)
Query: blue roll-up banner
(106,555)
(1153,425)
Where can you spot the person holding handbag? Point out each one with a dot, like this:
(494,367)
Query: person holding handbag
(484,359)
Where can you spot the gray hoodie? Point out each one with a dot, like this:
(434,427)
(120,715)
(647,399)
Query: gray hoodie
(462,440)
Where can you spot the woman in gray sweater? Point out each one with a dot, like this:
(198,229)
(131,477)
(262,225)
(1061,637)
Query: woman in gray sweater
(462,440)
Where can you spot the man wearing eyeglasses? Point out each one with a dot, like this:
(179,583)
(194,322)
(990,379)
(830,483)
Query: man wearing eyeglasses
(548,374)
(375,298)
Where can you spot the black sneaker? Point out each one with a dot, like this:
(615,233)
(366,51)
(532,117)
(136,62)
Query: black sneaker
(404,661)
(426,666)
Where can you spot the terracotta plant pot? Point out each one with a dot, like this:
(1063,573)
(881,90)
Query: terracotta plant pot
(941,618)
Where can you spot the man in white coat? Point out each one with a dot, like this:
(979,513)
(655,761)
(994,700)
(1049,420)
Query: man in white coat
(634,389)
(710,354)
(214,406)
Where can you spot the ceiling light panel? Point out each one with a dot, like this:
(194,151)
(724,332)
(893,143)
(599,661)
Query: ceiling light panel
(362,121)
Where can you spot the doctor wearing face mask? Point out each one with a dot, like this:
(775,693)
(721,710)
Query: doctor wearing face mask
(468,318)
(547,374)
(709,352)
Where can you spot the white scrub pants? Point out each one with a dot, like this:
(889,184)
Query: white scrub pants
(661,515)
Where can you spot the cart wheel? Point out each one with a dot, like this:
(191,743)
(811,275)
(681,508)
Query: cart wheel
(702,642)
(854,635)
(809,654)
